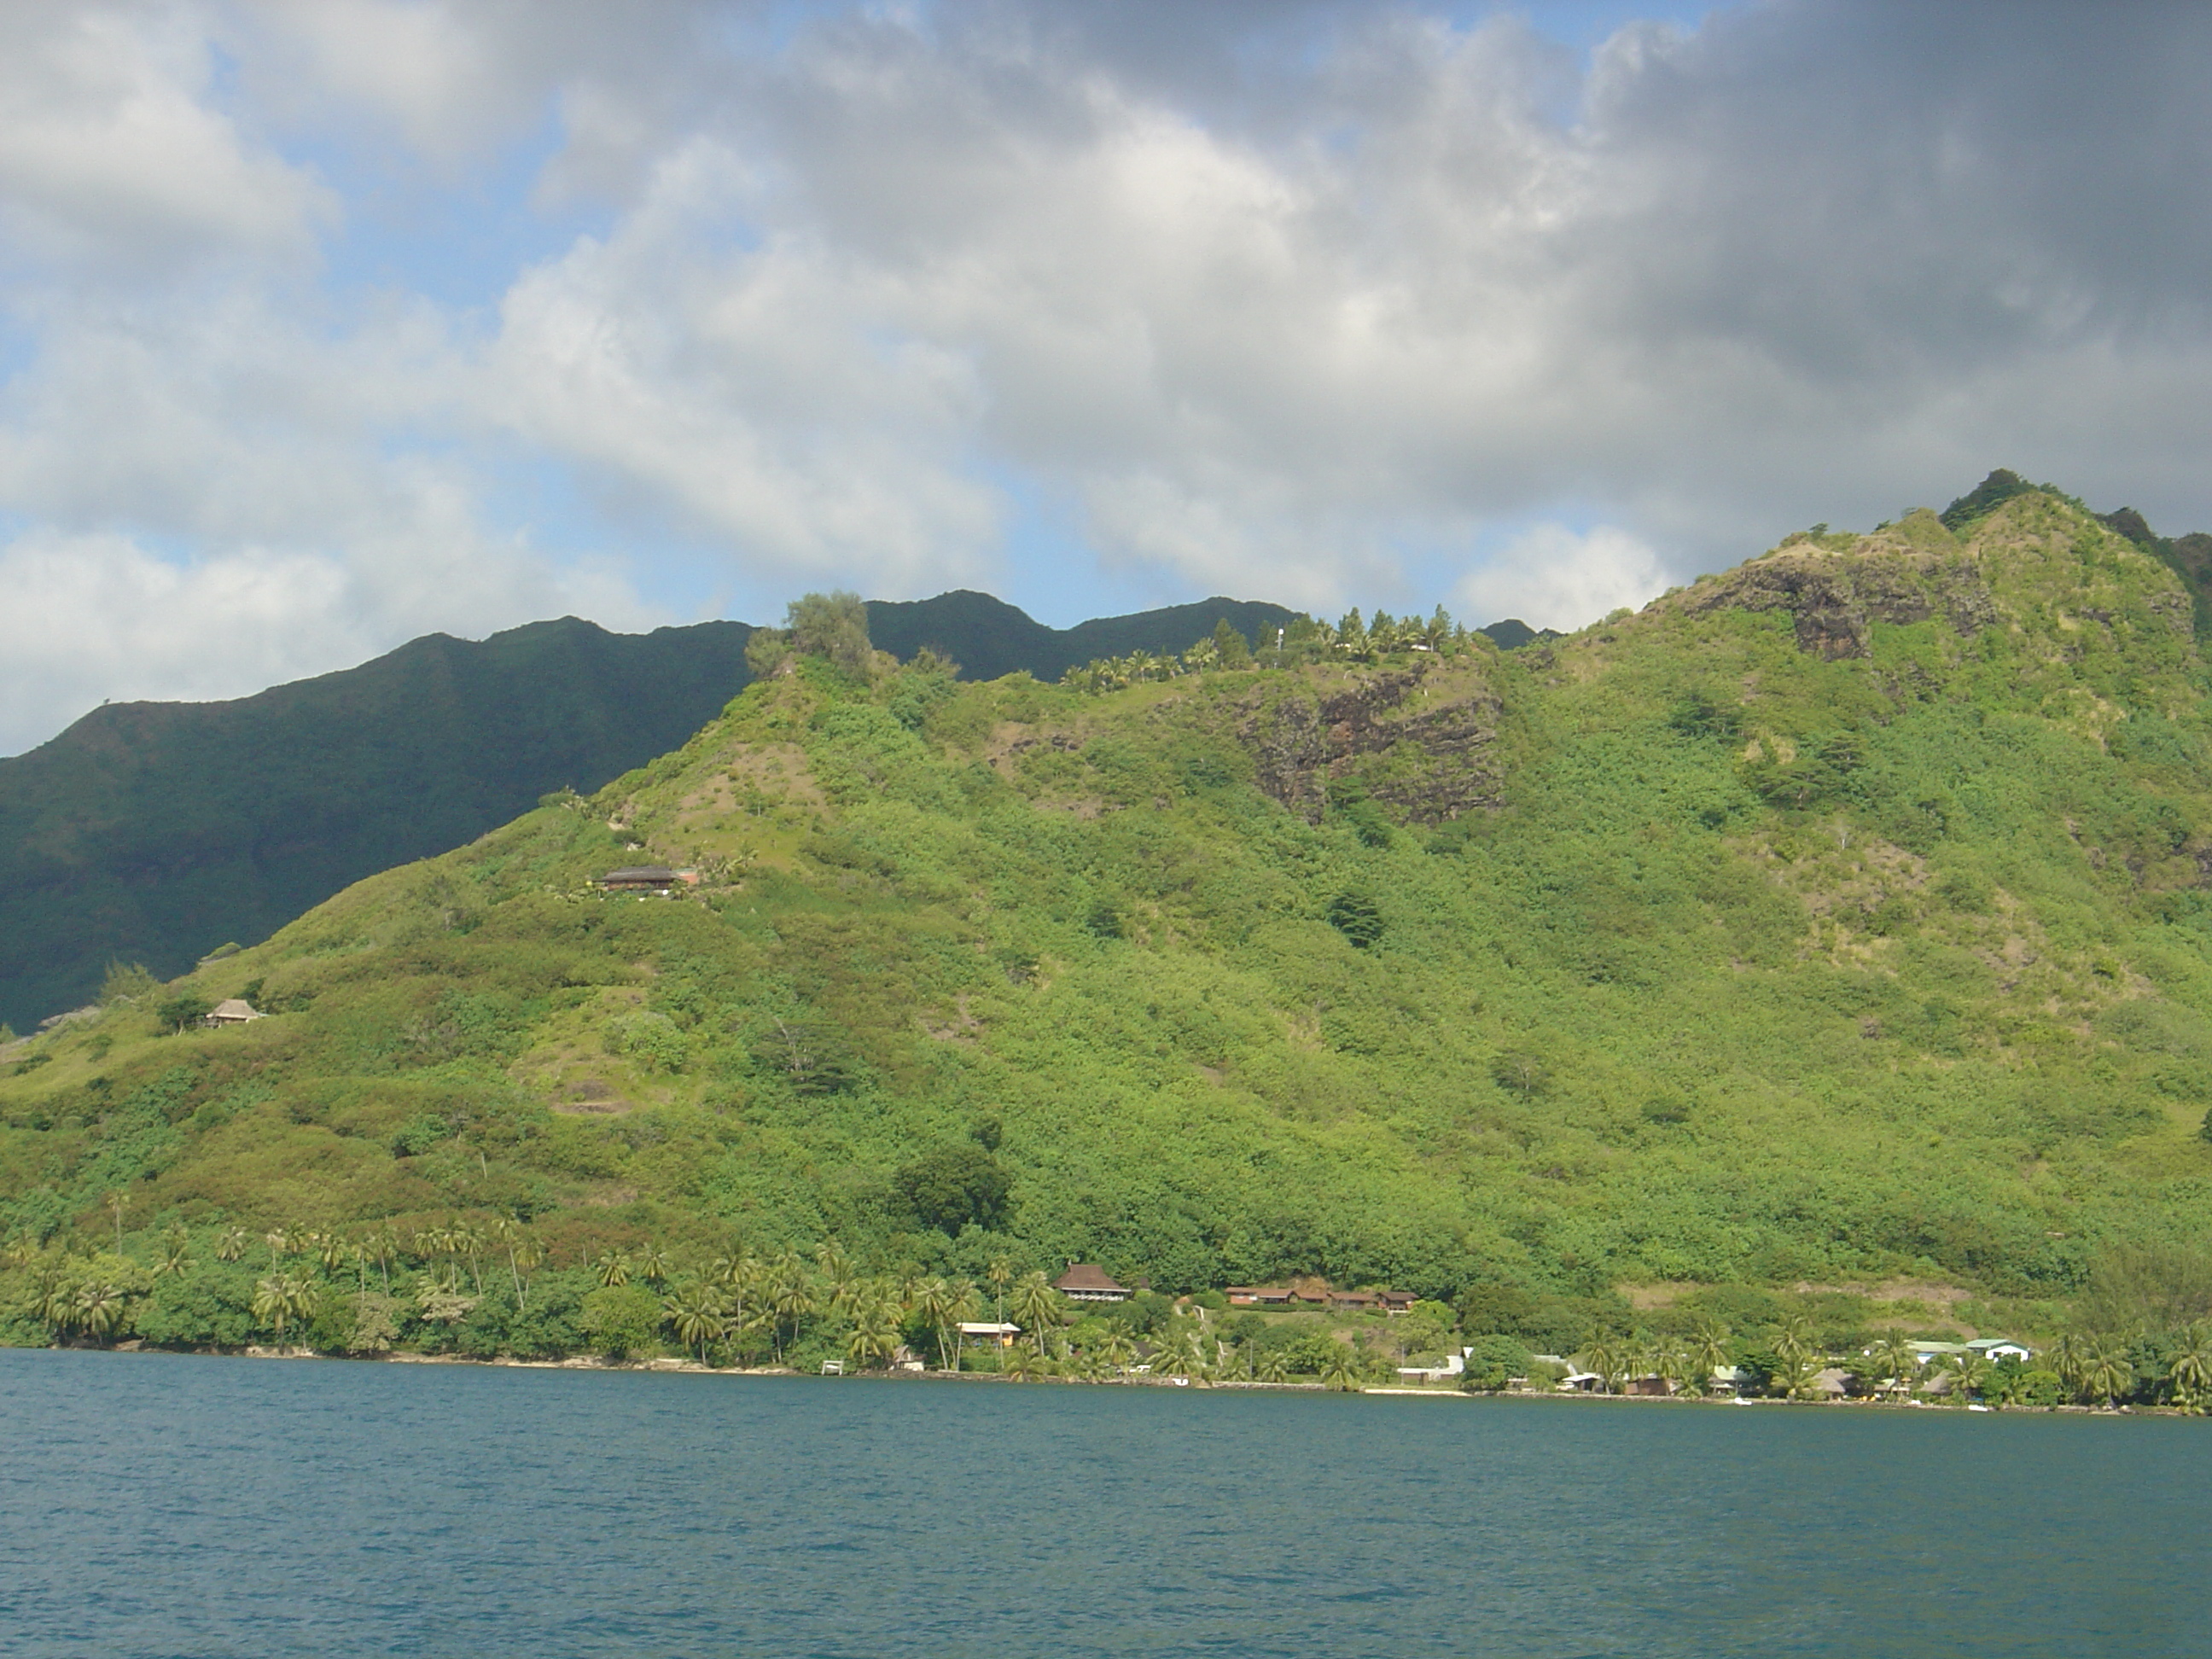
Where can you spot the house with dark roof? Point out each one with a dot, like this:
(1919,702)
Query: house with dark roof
(1086,1282)
(642,878)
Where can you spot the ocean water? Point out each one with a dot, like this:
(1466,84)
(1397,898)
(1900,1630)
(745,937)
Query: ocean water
(157,1505)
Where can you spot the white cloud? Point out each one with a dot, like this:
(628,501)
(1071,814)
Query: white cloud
(111,152)
(1551,576)
(1303,301)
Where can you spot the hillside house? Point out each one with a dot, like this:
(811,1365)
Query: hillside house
(988,1333)
(232,1011)
(1260,1295)
(1994,1348)
(642,878)
(1085,1281)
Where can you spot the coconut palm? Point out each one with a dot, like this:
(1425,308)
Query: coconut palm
(466,1241)
(175,1252)
(875,1335)
(2192,1369)
(1797,1378)
(999,1273)
(695,1313)
(98,1308)
(2067,1356)
(1899,1364)
(1342,1372)
(281,1297)
(331,1251)
(1038,1308)
(2106,1373)
(1605,1360)
(1274,1366)
(1709,1350)
(279,1242)
(1118,1347)
(653,1265)
(1970,1375)
(612,1269)
(790,1297)
(838,1273)
(230,1245)
(1794,1342)
(521,1252)
(933,1302)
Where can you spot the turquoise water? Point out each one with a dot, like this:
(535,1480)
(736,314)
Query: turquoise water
(152,1506)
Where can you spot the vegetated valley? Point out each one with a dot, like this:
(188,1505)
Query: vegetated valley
(1831,939)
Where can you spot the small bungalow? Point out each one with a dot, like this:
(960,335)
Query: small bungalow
(1260,1295)
(989,1333)
(232,1011)
(644,878)
(1994,1348)
(1084,1281)
(1926,1352)
(1396,1301)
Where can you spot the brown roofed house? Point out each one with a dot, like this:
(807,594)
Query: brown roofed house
(232,1011)
(1084,1282)
(1260,1295)
(639,878)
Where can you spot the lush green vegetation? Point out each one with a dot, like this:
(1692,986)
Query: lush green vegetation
(1841,922)
(156,832)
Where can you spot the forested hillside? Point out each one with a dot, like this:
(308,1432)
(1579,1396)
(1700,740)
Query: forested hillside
(157,832)
(1841,918)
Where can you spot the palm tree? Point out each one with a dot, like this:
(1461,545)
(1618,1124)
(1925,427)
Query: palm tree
(2106,1373)
(1899,1362)
(1119,1346)
(1274,1366)
(932,1304)
(1709,1350)
(838,1273)
(1341,1374)
(281,1297)
(175,1246)
(2067,1358)
(231,1244)
(1970,1374)
(1038,1308)
(612,1269)
(279,1242)
(2192,1369)
(875,1335)
(98,1308)
(1000,1273)
(1798,1376)
(522,1251)
(1605,1360)
(1794,1342)
(695,1313)
(652,1265)
(465,1240)
(790,1297)
(331,1250)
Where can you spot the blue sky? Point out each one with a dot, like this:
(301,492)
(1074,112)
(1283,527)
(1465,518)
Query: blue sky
(326,323)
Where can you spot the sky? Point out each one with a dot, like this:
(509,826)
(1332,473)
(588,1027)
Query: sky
(325,324)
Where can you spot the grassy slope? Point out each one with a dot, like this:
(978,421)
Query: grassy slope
(1772,961)
(157,831)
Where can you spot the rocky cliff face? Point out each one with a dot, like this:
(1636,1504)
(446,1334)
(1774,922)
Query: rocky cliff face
(1417,740)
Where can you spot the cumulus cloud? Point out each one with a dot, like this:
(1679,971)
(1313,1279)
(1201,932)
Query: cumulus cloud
(1551,576)
(1324,301)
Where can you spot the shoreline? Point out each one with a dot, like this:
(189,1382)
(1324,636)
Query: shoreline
(673,1367)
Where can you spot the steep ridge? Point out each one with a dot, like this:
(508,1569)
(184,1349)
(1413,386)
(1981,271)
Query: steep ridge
(1845,916)
(155,832)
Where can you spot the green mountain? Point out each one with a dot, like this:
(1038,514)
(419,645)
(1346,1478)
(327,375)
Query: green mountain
(1842,920)
(156,832)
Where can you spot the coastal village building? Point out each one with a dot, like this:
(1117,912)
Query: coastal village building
(988,1333)
(1317,1294)
(232,1011)
(1084,1281)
